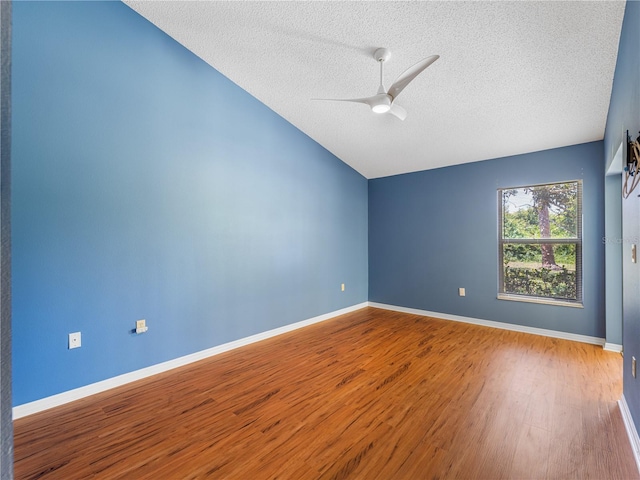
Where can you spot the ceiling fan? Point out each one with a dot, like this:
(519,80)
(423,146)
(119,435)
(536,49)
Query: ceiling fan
(384,100)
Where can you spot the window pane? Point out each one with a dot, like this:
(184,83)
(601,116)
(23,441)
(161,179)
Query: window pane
(544,211)
(540,270)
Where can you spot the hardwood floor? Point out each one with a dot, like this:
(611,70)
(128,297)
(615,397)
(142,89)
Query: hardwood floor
(369,395)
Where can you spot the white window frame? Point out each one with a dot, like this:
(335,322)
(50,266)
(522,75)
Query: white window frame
(577,241)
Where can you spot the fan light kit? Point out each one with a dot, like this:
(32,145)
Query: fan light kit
(384,100)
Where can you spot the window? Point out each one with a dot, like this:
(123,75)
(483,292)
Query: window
(540,236)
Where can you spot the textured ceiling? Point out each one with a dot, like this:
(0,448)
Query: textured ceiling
(513,77)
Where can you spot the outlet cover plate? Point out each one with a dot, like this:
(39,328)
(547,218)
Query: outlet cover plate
(75,340)
(141,326)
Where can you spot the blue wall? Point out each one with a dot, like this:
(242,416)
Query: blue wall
(147,185)
(624,114)
(434,231)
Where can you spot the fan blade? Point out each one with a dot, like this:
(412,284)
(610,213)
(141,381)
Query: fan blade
(409,74)
(366,101)
(398,111)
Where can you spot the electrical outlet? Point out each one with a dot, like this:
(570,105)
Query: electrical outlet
(141,326)
(633,366)
(75,340)
(342,287)
(462,292)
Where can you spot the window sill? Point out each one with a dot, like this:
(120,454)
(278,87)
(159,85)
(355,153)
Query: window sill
(539,300)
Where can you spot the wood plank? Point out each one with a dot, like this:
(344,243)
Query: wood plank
(371,394)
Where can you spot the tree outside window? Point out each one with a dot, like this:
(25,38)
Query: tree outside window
(541,243)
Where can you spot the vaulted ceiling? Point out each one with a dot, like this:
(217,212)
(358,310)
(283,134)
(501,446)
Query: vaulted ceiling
(513,76)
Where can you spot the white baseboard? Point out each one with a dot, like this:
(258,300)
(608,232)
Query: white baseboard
(30,408)
(23,410)
(613,347)
(634,440)
(490,323)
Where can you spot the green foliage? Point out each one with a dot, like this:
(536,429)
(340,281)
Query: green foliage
(522,253)
(543,211)
(541,282)
(522,223)
(555,203)
(565,254)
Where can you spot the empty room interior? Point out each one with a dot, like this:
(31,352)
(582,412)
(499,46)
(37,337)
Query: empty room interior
(348,240)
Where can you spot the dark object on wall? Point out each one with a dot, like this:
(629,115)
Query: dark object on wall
(631,168)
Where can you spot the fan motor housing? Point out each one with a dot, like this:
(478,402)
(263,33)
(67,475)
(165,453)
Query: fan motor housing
(382,55)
